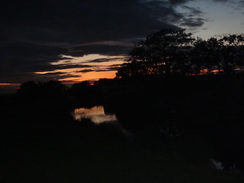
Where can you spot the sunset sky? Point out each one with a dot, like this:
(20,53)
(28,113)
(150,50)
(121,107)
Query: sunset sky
(76,40)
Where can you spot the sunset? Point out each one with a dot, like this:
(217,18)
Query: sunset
(122,91)
(74,41)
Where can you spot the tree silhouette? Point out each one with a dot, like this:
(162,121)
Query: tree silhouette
(206,55)
(175,52)
(224,54)
(39,90)
(162,53)
(232,52)
(86,94)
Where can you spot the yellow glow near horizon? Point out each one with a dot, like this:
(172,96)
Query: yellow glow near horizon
(74,75)
(90,76)
(98,75)
(9,84)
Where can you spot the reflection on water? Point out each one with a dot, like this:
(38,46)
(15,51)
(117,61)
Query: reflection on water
(96,114)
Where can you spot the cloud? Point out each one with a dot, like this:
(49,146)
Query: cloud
(109,68)
(95,20)
(54,73)
(115,65)
(34,34)
(192,17)
(99,49)
(193,22)
(75,21)
(86,70)
(19,61)
(241,3)
(177,2)
(221,1)
(101,60)
(24,56)
(193,11)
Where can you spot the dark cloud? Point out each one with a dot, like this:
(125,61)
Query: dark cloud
(34,34)
(54,73)
(70,66)
(27,52)
(221,0)
(240,6)
(193,22)
(192,17)
(99,49)
(102,70)
(101,60)
(241,3)
(19,60)
(114,68)
(21,77)
(193,11)
(81,21)
(86,70)
(177,2)
(110,68)
(51,76)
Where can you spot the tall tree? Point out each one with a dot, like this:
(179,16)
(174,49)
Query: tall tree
(162,53)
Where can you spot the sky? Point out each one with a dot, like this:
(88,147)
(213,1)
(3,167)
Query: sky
(77,40)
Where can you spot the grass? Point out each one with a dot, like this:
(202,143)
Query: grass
(101,154)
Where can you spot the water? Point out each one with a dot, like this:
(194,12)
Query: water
(96,114)
(165,129)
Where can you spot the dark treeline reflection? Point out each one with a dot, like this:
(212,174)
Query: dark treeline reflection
(168,130)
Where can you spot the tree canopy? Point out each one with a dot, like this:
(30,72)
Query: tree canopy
(40,90)
(175,52)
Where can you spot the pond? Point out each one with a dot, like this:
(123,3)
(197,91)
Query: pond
(96,114)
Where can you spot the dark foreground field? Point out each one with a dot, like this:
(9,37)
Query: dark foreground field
(160,138)
(48,147)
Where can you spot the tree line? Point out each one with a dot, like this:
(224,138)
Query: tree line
(83,94)
(164,53)
(175,52)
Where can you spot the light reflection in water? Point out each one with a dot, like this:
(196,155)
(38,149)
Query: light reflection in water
(96,114)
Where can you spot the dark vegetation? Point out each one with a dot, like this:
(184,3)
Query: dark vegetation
(175,53)
(181,99)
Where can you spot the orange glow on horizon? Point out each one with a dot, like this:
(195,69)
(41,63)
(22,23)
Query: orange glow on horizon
(9,84)
(92,76)
(91,67)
